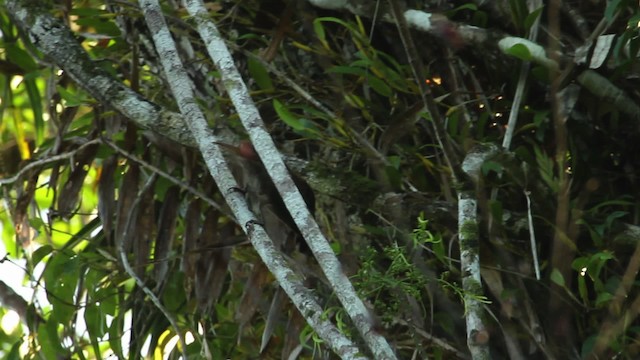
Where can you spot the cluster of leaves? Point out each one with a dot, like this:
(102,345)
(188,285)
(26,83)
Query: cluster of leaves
(373,124)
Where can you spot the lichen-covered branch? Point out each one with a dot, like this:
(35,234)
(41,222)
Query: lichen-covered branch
(58,44)
(277,170)
(468,237)
(207,143)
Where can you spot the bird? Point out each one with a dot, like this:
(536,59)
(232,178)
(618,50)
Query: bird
(263,196)
(267,204)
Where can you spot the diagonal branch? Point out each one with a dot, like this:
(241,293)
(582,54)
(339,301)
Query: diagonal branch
(56,41)
(277,170)
(182,87)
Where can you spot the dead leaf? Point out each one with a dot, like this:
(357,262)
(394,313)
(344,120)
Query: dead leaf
(166,232)
(106,196)
(69,195)
(190,256)
(126,196)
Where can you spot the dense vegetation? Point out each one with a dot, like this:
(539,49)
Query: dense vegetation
(470,164)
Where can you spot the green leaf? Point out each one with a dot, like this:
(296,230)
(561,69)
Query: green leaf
(588,345)
(95,320)
(49,341)
(479,19)
(320,34)
(489,166)
(496,210)
(351,70)
(287,116)
(612,7)
(108,300)
(174,295)
(579,263)
(20,57)
(14,354)
(260,74)
(532,17)
(35,100)
(40,253)
(603,298)
(520,51)
(72,97)
(394,161)
(379,86)
(61,278)
(557,277)
(467,6)
(116,335)
(582,289)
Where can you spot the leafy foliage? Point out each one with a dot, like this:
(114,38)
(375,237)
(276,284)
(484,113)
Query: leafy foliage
(89,182)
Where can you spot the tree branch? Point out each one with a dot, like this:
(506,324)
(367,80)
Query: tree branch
(207,143)
(57,42)
(277,170)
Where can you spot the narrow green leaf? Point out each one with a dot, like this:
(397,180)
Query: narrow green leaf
(582,290)
(320,34)
(61,277)
(40,253)
(49,341)
(379,86)
(557,277)
(36,106)
(95,320)
(467,6)
(116,336)
(20,57)
(72,97)
(532,17)
(14,353)
(612,7)
(351,70)
(260,74)
(288,117)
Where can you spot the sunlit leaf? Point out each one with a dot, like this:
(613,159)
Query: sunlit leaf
(40,253)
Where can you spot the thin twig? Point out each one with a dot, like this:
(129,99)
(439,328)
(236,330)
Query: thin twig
(532,236)
(171,178)
(48,160)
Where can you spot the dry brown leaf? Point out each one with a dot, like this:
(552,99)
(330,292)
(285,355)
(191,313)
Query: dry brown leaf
(126,196)
(213,261)
(106,196)
(166,232)
(252,295)
(190,256)
(291,348)
(69,195)
(143,232)
(273,317)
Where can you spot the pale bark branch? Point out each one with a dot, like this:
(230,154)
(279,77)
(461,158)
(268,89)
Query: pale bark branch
(458,35)
(58,44)
(207,143)
(277,170)
(469,239)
